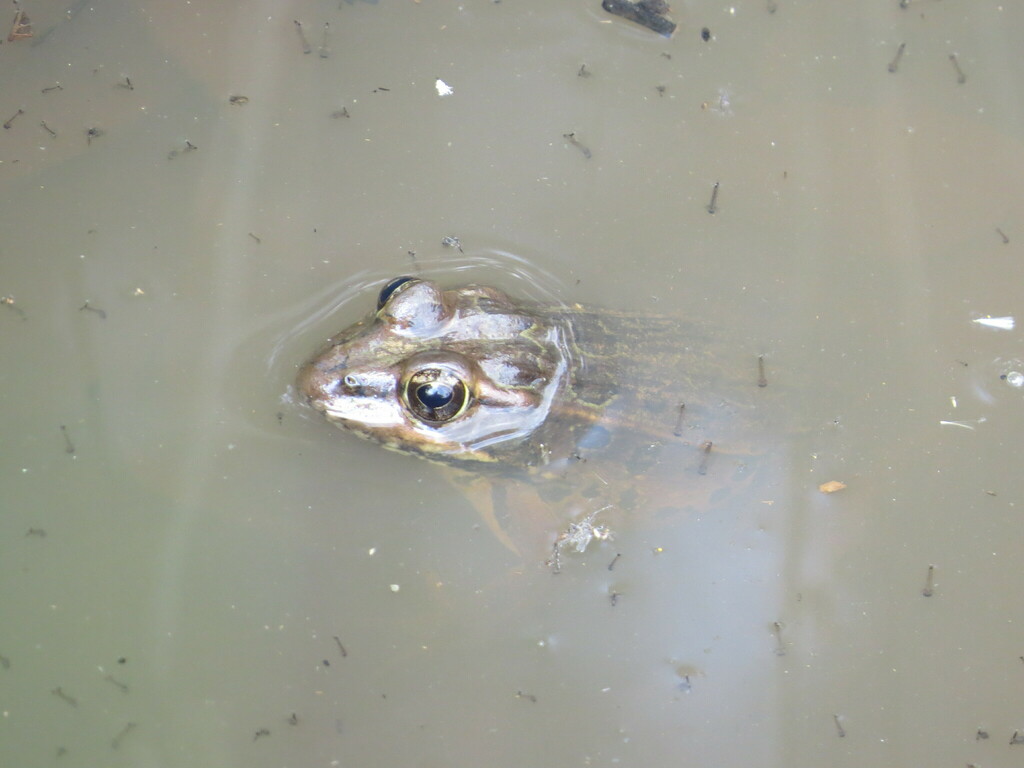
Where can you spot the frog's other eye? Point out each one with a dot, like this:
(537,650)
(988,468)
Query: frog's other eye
(435,395)
(412,307)
(390,288)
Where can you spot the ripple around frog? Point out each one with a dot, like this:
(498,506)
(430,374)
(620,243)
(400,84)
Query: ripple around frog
(297,331)
(501,269)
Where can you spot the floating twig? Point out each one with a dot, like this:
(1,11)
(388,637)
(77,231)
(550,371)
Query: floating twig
(323,50)
(116,683)
(10,121)
(895,63)
(961,78)
(189,147)
(706,451)
(302,37)
(780,647)
(712,207)
(839,727)
(116,741)
(678,431)
(571,137)
(59,693)
(95,310)
(341,647)
(68,445)
(929,583)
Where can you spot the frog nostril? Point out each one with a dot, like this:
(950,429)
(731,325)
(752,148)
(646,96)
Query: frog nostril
(351,385)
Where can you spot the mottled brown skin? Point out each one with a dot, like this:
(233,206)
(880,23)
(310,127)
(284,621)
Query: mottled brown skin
(579,405)
(513,361)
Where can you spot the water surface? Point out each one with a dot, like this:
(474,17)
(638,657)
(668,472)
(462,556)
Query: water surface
(187,568)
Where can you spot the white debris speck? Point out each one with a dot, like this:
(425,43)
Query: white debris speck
(579,535)
(1002,323)
(1015,379)
(395,587)
(443,89)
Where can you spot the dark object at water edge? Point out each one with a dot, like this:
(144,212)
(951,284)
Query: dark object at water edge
(647,13)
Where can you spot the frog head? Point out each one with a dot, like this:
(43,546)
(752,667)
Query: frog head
(460,375)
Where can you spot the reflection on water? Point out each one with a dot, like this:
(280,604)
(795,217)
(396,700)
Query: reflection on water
(193,204)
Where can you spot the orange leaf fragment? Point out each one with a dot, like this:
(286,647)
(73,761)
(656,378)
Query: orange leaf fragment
(831,486)
(21,29)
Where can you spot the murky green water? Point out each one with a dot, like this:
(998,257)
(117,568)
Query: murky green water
(195,570)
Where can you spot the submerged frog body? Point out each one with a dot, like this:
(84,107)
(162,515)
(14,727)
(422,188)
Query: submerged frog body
(586,401)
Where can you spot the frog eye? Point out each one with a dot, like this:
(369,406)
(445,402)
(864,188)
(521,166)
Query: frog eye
(435,395)
(390,288)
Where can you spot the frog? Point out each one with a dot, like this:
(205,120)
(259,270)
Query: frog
(548,413)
